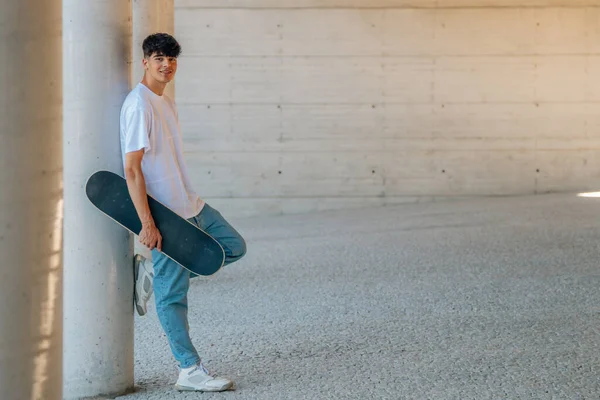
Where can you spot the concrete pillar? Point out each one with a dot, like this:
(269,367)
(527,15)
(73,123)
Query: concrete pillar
(30,200)
(151,16)
(98,276)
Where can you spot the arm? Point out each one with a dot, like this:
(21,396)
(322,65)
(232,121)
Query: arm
(149,235)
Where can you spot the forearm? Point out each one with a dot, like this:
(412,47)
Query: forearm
(137,190)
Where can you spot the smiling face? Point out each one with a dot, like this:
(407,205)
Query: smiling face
(160,61)
(160,68)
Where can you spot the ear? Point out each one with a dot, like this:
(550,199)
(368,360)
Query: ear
(145,63)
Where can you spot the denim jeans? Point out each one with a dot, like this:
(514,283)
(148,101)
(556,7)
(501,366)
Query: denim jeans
(171,284)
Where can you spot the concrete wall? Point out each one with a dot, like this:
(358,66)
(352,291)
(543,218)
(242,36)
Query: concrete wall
(292,106)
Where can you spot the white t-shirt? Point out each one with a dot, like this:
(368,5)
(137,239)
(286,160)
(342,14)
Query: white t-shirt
(150,122)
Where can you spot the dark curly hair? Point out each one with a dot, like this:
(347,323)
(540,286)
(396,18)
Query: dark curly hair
(161,44)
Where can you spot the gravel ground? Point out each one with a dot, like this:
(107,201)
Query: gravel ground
(489,298)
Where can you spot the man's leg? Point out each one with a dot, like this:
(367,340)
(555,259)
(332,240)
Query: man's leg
(171,284)
(212,222)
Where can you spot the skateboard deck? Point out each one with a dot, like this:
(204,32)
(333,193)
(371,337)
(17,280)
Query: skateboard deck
(182,241)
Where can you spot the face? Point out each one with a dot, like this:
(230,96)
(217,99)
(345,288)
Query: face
(161,68)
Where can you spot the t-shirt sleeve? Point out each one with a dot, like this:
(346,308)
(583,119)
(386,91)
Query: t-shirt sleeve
(137,130)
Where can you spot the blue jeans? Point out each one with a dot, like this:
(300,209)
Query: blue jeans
(171,284)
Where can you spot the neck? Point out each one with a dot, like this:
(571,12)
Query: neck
(156,87)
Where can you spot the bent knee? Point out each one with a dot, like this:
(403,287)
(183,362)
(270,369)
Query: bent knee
(241,248)
(238,250)
(235,248)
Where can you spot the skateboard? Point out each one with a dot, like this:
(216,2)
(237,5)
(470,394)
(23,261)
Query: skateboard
(182,241)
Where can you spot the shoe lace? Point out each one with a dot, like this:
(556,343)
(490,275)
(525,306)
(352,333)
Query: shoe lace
(200,367)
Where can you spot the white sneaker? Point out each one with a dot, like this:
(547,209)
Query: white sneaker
(143,284)
(199,379)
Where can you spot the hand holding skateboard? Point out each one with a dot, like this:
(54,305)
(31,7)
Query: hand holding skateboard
(150,236)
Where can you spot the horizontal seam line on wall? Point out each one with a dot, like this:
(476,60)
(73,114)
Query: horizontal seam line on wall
(345,8)
(387,56)
(371,151)
(382,104)
(374,196)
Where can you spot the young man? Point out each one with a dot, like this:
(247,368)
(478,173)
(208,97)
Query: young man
(151,144)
